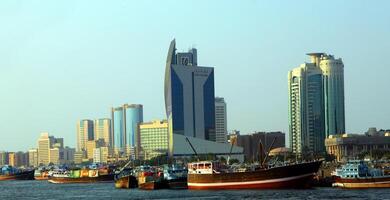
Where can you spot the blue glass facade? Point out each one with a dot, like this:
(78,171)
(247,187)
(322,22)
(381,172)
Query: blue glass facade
(177,104)
(134,116)
(118,128)
(209,108)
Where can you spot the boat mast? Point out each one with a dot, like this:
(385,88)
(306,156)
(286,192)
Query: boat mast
(192,147)
(267,153)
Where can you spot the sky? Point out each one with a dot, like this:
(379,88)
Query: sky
(61,61)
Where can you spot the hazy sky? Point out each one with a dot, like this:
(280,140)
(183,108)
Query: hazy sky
(61,61)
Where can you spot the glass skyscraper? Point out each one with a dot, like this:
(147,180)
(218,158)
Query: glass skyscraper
(189,95)
(125,120)
(316,103)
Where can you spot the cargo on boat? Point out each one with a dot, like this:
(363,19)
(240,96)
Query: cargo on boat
(10,173)
(150,178)
(175,177)
(80,176)
(126,179)
(214,175)
(357,174)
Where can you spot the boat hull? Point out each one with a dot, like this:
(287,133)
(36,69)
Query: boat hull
(98,179)
(291,176)
(126,182)
(177,184)
(151,185)
(27,175)
(361,183)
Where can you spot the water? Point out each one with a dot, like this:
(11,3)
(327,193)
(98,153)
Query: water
(45,190)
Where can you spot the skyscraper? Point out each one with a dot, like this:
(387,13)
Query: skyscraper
(44,145)
(85,132)
(220,120)
(189,95)
(125,120)
(333,82)
(315,88)
(103,131)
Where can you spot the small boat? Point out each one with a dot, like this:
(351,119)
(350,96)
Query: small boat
(175,177)
(215,175)
(80,176)
(10,173)
(41,174)
(126,179)
(357,174)
(150,178)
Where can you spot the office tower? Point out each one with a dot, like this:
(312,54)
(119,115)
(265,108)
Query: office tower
(50,149)
(79,156)
(220,120)
(85,132)
(67,155)
(33,157)
(103,130)
(333,86)
(153,139)
(125,120)
(44,145)
(189,95)
(316,103)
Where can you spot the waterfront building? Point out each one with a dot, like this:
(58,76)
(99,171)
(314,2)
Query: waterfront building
(349,146)
(103,130)
(12,159)
(85,132)
(93,144)
(54,155)
(316,103)
(333,88)
(79,157)
(306,114)
(3,158)
(153,139)
(190,106)
(220,120)
(100,155)
(125,120)
(189,95)
(33,157)
(251,143)
(44,145)
(67,155)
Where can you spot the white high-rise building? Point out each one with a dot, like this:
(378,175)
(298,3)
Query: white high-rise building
(103,130)
(316,103)
(220,120)
(85,132)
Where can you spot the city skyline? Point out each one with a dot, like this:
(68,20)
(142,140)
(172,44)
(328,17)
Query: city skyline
(67,64)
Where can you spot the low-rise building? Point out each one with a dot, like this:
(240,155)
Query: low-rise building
(251,143)
(350,146)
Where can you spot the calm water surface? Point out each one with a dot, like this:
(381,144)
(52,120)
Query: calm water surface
(45,190)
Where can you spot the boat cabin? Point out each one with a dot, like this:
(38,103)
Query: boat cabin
(357,169)
(204,167)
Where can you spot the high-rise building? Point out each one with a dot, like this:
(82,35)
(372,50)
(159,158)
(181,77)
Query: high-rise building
(333,85)
(314,110)
(153,139)
(125,120)
(189,95)
(33,157)
(220,120)
(85,132)
(103,130)
(44,145)
(50,149)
